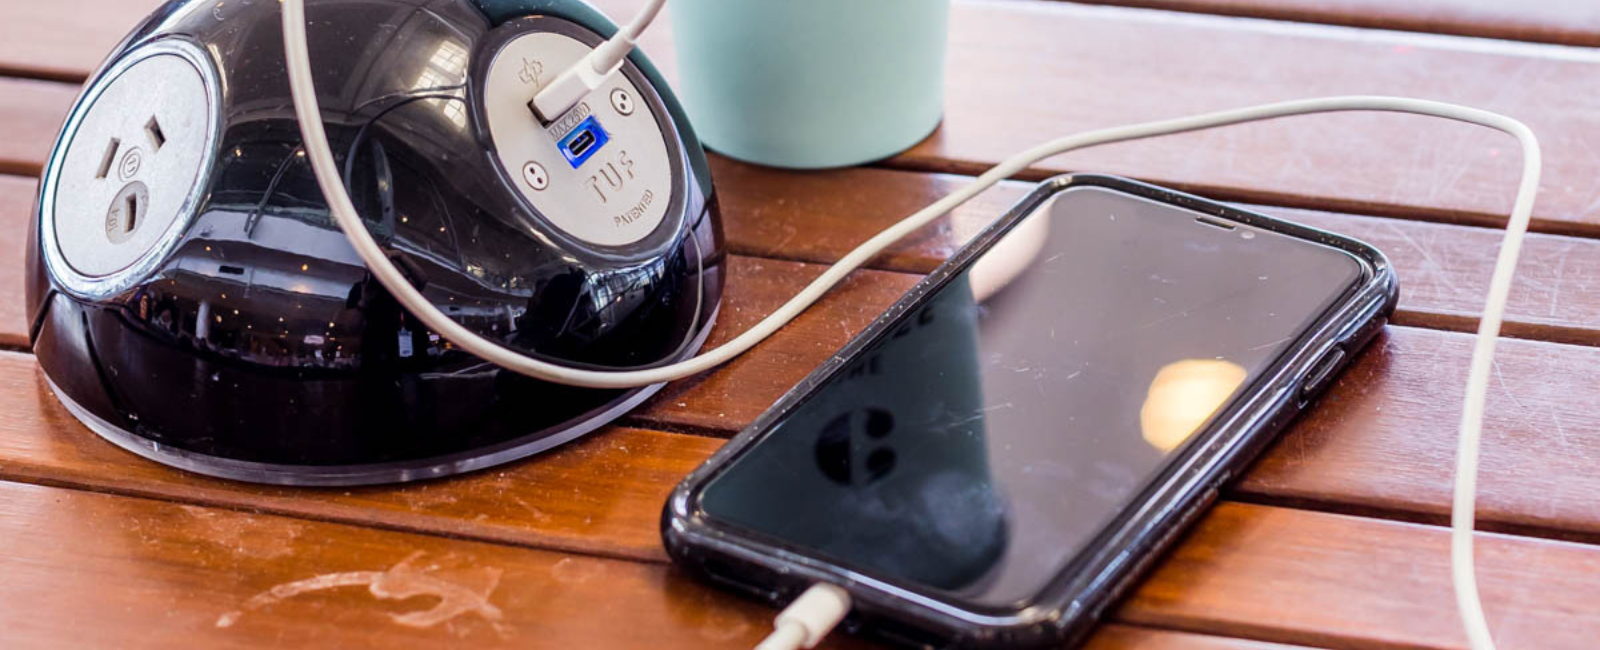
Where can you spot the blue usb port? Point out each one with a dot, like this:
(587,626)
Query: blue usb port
(583,142)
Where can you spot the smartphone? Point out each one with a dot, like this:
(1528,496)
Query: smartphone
(996,459)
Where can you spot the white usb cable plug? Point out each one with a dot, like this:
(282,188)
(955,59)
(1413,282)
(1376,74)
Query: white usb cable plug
(584,77)
(809,619)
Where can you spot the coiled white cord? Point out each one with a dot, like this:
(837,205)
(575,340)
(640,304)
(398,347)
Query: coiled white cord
(1462,519)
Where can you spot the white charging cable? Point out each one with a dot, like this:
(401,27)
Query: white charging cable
(344,213)
(808,619)
(577,81)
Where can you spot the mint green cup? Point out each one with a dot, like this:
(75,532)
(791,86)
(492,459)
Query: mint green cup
(811,84)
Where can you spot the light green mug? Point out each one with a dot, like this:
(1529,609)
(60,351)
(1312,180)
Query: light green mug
(811,84)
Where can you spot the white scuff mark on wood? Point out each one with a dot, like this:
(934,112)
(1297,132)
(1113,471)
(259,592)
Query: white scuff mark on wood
(572,571)
(533,511)
(255,537)
(723,628)
(402,581)
(427,496)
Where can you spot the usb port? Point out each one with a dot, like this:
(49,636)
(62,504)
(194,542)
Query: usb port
(583,142)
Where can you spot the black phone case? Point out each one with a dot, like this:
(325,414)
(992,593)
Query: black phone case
(1067,609)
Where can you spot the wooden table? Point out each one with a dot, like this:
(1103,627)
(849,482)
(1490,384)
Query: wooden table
(1334,540)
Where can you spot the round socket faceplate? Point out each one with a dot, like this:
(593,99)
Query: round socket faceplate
(602,172)
(132,163)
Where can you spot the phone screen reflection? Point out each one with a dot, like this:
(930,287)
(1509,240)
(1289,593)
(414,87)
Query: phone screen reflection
(978,444)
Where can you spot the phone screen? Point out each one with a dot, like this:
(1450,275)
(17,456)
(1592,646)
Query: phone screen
(979,444)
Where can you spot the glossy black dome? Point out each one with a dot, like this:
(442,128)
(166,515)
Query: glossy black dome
(260,348)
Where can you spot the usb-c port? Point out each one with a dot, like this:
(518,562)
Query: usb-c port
(583,142)
(580,145)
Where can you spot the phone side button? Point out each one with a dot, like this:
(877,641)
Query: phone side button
(1320,373)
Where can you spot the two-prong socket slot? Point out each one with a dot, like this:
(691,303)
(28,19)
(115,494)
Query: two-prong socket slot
(132,161)
(123,217)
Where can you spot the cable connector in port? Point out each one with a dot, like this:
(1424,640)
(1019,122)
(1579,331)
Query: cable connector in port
(807,620)
(584,77)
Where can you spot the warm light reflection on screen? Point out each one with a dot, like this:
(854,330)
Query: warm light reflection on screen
(988,436)
(1183,396)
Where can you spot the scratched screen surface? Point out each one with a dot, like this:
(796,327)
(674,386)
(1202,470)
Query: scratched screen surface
(976,447)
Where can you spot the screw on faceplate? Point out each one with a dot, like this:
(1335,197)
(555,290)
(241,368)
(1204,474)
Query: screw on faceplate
(535,176)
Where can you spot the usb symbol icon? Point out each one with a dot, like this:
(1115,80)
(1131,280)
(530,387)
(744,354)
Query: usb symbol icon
(531,70)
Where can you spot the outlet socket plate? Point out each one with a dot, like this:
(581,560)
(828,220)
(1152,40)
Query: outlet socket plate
(622,192)
(150,122)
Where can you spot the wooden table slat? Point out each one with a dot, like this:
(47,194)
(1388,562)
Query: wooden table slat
(1402,165)
(1105,60)
(92,570)
(48,40)
(1348,582)
(30,118)
(123,562)
(98,535)
(1565,23)
(1444,269)
(87,570)
(17,195)
(1108,66)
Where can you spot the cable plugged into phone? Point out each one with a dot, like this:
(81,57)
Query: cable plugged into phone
(809,619)
(560,96)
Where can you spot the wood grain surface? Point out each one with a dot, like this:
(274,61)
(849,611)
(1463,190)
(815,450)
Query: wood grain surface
(1352,581)
(85,570)
(764,212)
(1567,22)
(1098,67)
(1349,582)
(1333,540)
(1069,68)
(52,40)
(30,116)
(1443,268)
(17,194)
(1114,64)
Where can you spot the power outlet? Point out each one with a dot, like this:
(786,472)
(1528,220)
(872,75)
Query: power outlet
(603,172)
(132,163)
